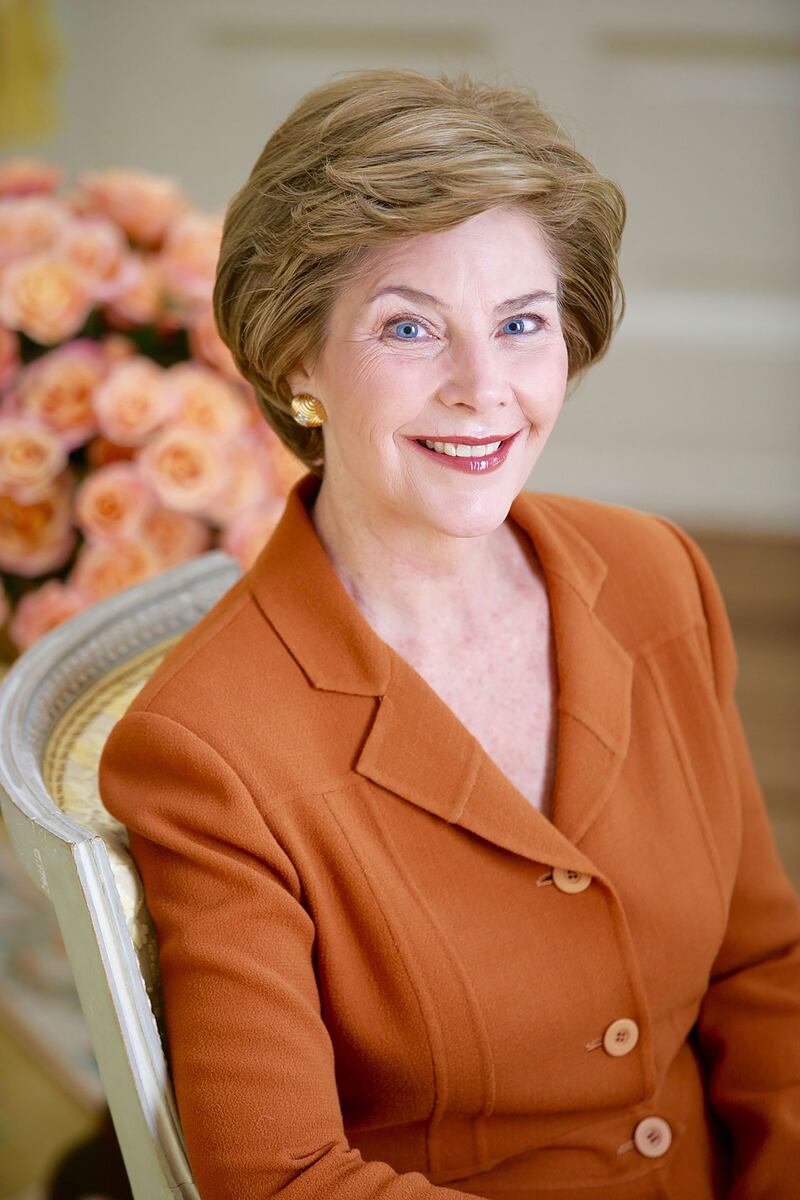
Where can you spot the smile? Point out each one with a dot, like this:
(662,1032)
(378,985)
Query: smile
(471,455)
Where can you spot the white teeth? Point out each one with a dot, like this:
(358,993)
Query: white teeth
(459,450)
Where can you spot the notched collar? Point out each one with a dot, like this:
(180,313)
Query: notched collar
(417,747)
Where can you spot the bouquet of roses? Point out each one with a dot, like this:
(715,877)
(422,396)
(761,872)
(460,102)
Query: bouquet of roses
(128,440)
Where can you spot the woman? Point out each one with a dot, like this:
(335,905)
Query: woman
(461,874)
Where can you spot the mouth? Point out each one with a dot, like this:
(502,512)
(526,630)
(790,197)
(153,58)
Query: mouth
(474,455)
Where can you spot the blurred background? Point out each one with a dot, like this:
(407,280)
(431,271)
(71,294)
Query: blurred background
(693,109)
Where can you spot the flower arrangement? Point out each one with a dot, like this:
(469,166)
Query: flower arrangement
(128,440)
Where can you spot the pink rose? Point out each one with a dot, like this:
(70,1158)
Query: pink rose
(141,298)
(38,537)
(103,568)
(99,250)
(132,401)
(205,401)
(58,389)
(175,536)
(28,176)
(113,502)
(188,258)
(39,611)
(250,481)
(30,225)
(206,344)
(185,468)
(248,532)
(142,204)
(31,456)
(45,296)
(9,356)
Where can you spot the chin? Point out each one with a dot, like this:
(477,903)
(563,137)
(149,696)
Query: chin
(470,516)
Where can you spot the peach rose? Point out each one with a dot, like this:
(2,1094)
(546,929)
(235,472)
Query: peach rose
(142,204)
(188,258)
(205,401)
(58,389)
(37,537)
(250,481)
(39,611)
(30,225)
(112,502)
(206,344)
(28,176)
(103,568)
(31,456)
(247,534)
(175,536)
(185,468)
(9,356)
(140,301)
(45,296)
(99,250)
(132,401)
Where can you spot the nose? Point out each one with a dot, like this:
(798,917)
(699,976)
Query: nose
(474,379)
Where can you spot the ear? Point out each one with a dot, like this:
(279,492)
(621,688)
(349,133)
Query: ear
(299,380)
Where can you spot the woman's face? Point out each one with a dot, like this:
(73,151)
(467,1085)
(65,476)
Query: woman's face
(447,335)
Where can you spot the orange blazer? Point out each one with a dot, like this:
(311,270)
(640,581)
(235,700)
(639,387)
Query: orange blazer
(386,975)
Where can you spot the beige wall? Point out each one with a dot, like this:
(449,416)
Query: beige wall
(692,106)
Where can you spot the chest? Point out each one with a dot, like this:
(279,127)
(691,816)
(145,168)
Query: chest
(503,686)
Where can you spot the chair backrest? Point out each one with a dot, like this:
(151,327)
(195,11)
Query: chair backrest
(58,702)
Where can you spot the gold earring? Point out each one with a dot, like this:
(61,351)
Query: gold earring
(308,410)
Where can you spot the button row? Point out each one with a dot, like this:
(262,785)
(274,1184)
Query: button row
(652,1137)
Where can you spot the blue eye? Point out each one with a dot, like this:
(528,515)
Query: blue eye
(519,320)
(405,326)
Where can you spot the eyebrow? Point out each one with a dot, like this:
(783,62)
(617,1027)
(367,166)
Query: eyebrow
(399,289)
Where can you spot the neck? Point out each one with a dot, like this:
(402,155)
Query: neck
(413,583)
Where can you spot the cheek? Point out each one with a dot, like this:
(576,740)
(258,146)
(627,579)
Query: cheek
(543,377)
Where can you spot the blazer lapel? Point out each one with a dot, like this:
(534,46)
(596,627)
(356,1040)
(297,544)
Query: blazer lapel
(417,747)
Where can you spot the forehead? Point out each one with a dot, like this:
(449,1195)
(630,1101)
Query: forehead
(498,243)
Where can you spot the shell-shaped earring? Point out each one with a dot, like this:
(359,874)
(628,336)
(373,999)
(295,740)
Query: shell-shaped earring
(308,410)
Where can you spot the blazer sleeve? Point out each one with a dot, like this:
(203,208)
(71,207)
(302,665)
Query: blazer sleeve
(250,1058)
(748,1029)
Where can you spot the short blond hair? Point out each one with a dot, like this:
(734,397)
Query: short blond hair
(386,153)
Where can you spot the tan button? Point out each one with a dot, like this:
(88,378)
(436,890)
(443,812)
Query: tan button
(570,881)
(652,1137)
(620,1037)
